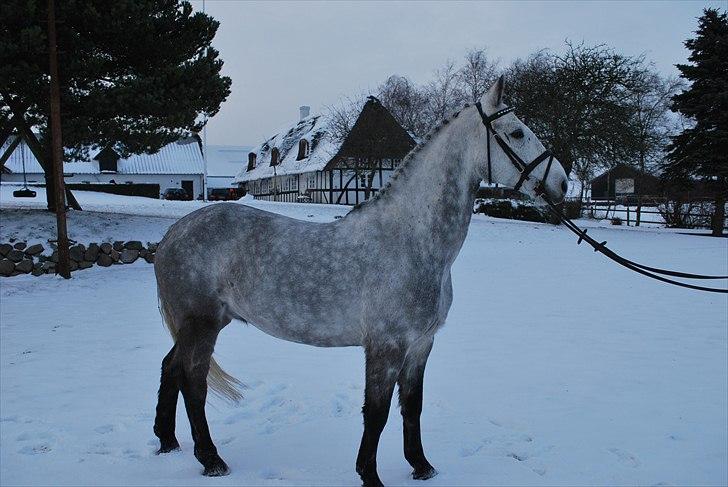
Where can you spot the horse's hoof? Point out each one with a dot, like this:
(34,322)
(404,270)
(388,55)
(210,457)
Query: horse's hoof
(216,468)
(424,473)
(168,446)
(372,482)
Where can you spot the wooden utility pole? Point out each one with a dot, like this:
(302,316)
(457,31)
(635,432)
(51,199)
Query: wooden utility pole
(63,266)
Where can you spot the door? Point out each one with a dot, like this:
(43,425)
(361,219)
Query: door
(189,187)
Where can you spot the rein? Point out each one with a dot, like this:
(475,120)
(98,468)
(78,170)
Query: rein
(525,171)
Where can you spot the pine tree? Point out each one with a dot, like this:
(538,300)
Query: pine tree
(701,151)
(135,75)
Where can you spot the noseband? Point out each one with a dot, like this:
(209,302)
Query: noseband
(524,169)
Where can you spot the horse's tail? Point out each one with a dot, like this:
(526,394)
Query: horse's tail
(222,384)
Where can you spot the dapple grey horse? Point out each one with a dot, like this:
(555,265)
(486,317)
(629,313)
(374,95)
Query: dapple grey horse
(391,257)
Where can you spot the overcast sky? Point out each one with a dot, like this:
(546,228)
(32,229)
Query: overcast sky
(282,55)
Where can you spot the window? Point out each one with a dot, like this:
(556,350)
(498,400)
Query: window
(294,182)
(303,149)
(108,160)
(365,180)
(311,180)
(251,161)
(274,156)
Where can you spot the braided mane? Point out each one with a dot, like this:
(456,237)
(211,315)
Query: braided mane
(407,160)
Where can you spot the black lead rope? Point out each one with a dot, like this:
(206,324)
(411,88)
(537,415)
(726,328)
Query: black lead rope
(652,272)
(526,169)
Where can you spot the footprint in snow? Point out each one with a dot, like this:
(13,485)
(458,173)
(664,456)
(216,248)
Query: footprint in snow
(271,474)
(131,454)
(520,457)
(342,405)
(469,451)
(234,418)
(103,429)
(625,457)
(275,389)
(35,449)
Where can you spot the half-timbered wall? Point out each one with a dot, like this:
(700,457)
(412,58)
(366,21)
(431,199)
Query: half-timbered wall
(343,185)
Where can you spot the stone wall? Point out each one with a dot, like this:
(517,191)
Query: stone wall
(18,258)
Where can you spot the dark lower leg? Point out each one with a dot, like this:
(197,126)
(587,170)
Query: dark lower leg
(164,422)
(411,383)
(382,368)
(196,364)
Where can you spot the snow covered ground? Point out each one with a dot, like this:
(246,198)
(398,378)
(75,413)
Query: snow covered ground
(555,367)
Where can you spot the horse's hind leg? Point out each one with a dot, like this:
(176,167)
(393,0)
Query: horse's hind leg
(196,343)
(383,363)
(164,422)
(411,380)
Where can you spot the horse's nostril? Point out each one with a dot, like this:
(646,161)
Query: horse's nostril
(564,186)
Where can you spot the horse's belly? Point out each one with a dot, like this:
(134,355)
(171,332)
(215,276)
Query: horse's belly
(311,334)
(320,331)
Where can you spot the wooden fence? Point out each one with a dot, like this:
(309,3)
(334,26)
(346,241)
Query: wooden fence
(652,210)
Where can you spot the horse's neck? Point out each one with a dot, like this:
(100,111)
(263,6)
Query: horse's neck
(432,196)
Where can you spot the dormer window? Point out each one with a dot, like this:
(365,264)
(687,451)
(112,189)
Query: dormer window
(303,149)
(275,156)
(251,161)
(108,160)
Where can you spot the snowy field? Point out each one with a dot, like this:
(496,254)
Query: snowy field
(555,367)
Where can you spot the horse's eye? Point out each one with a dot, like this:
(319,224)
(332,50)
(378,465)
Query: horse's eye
(517,134)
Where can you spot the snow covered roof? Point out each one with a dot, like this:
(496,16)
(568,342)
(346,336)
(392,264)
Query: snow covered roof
(181,157)
(322,148)
(226,160)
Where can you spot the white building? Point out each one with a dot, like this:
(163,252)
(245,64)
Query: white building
(176,165)
(306,160)
(224,162)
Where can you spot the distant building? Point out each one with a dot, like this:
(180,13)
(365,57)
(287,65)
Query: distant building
(224,162)
(176,165)
(306,162)
(624,181)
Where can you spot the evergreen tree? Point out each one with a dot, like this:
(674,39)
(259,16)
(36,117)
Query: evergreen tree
(702,150)
(135,75)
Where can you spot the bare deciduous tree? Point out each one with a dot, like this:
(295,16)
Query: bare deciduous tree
(342,115)
(443,93)
(578,102)
(653,123)
(477,75)
(406,102)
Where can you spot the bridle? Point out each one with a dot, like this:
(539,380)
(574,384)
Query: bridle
(525,171)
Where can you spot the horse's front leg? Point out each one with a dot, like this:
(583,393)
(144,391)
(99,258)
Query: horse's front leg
(383,364)
(411,380)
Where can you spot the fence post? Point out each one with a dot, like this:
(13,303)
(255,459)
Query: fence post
(627,201)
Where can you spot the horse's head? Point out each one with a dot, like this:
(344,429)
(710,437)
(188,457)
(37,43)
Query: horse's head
(512,155)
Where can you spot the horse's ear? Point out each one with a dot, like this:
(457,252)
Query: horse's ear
(494,96)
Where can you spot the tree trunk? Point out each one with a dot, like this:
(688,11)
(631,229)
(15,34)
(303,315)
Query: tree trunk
(719,215)
(639,188)
(639,211)
(50,185)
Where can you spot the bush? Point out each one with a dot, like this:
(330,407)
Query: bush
(512,210)
(681,214)
(572,209)
(616,220)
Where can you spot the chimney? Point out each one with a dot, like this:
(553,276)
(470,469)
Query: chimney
(304,111)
